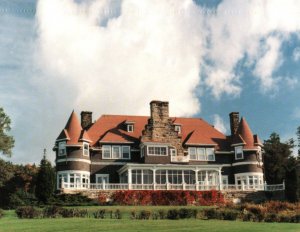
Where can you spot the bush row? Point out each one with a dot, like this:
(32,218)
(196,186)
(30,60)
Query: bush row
(171,214)
(1,213)
(151,197)
(50,212)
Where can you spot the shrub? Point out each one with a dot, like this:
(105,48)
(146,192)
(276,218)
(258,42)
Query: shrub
(173,214)
(28,212)
(162,197)
(99,214)
(229,214)
(118,214)
(71,200)
(133,215)
(210,213)
(52,212)
(162,214)
(187,213)
(1,213)
(70,213)
(145,215)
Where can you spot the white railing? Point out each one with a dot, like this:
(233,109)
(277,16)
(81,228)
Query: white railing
(180,159)
(168,186)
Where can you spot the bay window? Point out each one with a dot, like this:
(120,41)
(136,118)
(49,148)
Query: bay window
(201,153)
(115,152)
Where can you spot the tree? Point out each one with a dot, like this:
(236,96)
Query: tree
(45,182)
(280,164)
(6,141)
(276,158)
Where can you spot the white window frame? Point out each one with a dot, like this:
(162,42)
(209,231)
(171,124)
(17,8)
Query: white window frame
(111,148)
(198,155)
(119,153)
(157,146)
(83,149)
(130,128)
(62,147)
(129,153)
(102,175)
(236,152)
(108,147)
(178,128)
(173,152)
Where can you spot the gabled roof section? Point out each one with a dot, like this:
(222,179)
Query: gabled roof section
(84,136)
(245,134)
(64,135)
(73,129)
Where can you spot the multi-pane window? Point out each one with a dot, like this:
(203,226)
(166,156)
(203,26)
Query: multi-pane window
(142,176)
(115,152)
(157,150)
(62,148)
(175,176)
(161,176)
(201,153)
(239,152)
(189,177)
(85,149)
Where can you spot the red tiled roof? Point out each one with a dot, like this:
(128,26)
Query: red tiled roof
(63,135)
(84,136)
(246,135)
(111,128)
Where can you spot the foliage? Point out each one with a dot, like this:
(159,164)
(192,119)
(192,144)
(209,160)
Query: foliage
(17,184)
(71,200)
(280,164)
(99,214)
(1,213)
(151,197)
(45,183)
(6,141)
(28,212)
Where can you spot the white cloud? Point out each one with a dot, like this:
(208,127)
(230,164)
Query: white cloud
(219,124)
(296,54)
(147,52)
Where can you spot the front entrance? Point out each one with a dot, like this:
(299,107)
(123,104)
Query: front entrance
(102,178)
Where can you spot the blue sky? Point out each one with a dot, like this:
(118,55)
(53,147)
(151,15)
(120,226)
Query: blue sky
(207,58)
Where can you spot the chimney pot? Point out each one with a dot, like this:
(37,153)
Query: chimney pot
(86,119)
(234,122)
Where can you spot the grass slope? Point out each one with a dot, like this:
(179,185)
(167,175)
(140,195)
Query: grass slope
(10,223)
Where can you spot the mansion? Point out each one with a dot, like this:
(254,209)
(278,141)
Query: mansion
(157,152)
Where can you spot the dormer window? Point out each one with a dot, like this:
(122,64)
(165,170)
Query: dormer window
(239,153)
(129,125)
(178,128)
(130,128)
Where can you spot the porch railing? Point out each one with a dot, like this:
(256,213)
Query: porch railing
(180,159)
(168,186)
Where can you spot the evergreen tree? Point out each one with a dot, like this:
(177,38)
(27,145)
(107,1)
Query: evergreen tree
(45,182)
(6,141)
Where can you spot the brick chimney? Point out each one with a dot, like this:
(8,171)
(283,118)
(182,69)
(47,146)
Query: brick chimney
(234,122)
(86,119)
(159,111)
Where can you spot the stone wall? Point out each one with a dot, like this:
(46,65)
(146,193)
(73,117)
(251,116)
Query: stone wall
(160,128)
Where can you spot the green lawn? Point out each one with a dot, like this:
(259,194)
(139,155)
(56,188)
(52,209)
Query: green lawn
(10,223)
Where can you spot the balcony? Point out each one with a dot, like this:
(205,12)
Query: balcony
(180,159)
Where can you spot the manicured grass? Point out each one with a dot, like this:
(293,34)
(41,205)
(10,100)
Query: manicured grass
(10,223)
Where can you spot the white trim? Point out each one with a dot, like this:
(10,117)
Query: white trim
(115,142)
(249,174)
(201,144)
(109,163)
(59,140)
(253,149)
(224,152)
(155,144)
(73,171)
(130,128)
(246,163)
(85,140)
(238,144)
(226,165)
(73,160)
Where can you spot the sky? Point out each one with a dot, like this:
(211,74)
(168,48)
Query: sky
(207,58)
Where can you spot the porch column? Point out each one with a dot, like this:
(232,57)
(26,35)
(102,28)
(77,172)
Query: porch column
(206,180)
(220,179)
(196,179)
(129,178)
(154,178)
